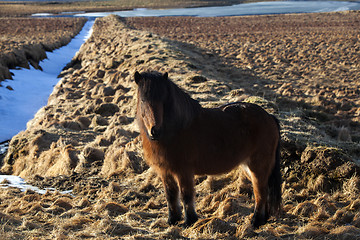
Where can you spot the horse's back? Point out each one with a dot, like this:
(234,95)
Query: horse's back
(222,138)
(243,108)
(251,115)
(263,129)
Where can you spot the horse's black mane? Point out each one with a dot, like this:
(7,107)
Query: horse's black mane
(152,88)
(179,108)
(184,107)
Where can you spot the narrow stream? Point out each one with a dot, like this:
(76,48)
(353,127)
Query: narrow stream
(31,90)
(32,87)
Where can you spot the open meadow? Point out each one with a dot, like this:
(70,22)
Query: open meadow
(303,68)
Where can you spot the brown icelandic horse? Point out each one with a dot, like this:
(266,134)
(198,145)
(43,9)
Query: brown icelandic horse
(181,139)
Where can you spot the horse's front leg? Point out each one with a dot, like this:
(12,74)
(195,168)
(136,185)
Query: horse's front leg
(172,197)
(186,183)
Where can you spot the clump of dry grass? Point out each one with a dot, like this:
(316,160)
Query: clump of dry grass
(319,184)
(63,202)
(305,209)
(312,231)
(345,232)
(114,209)
(6,219)
(351,187)
(77,222)
(354,205)
(342,217)
(356,220)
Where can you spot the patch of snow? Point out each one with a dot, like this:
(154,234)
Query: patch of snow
(17,182)
(42,14)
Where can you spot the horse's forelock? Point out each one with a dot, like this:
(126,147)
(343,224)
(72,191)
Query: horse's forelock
(179,106)
(154,86)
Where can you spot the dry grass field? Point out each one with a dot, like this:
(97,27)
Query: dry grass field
(24,41)
(86,139)
(302,68)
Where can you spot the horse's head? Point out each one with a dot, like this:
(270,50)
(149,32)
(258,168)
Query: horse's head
(152,94)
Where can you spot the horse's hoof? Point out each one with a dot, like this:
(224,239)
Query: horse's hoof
(190,220)
(258,220)
(173,220)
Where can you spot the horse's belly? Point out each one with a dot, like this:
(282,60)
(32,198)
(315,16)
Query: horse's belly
(220,152)
(205,170)
(218,164)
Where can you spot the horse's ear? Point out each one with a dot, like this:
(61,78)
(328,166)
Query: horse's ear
(137,77)
(165,76)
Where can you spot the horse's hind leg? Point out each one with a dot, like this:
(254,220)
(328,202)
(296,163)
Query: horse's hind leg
(186,183)
(261,212)
(172,197)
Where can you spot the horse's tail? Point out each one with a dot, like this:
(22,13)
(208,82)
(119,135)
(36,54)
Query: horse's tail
(274,181)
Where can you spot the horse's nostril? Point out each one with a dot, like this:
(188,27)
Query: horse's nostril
(154,132)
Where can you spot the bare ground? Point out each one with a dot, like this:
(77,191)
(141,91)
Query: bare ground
(86,138)
(24,41)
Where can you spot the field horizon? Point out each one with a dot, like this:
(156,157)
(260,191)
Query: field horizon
(10,9)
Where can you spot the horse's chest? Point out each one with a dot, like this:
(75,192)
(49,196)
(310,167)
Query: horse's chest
(155,155)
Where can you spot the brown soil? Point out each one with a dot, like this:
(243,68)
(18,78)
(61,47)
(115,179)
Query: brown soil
(86,140)
(25,41)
